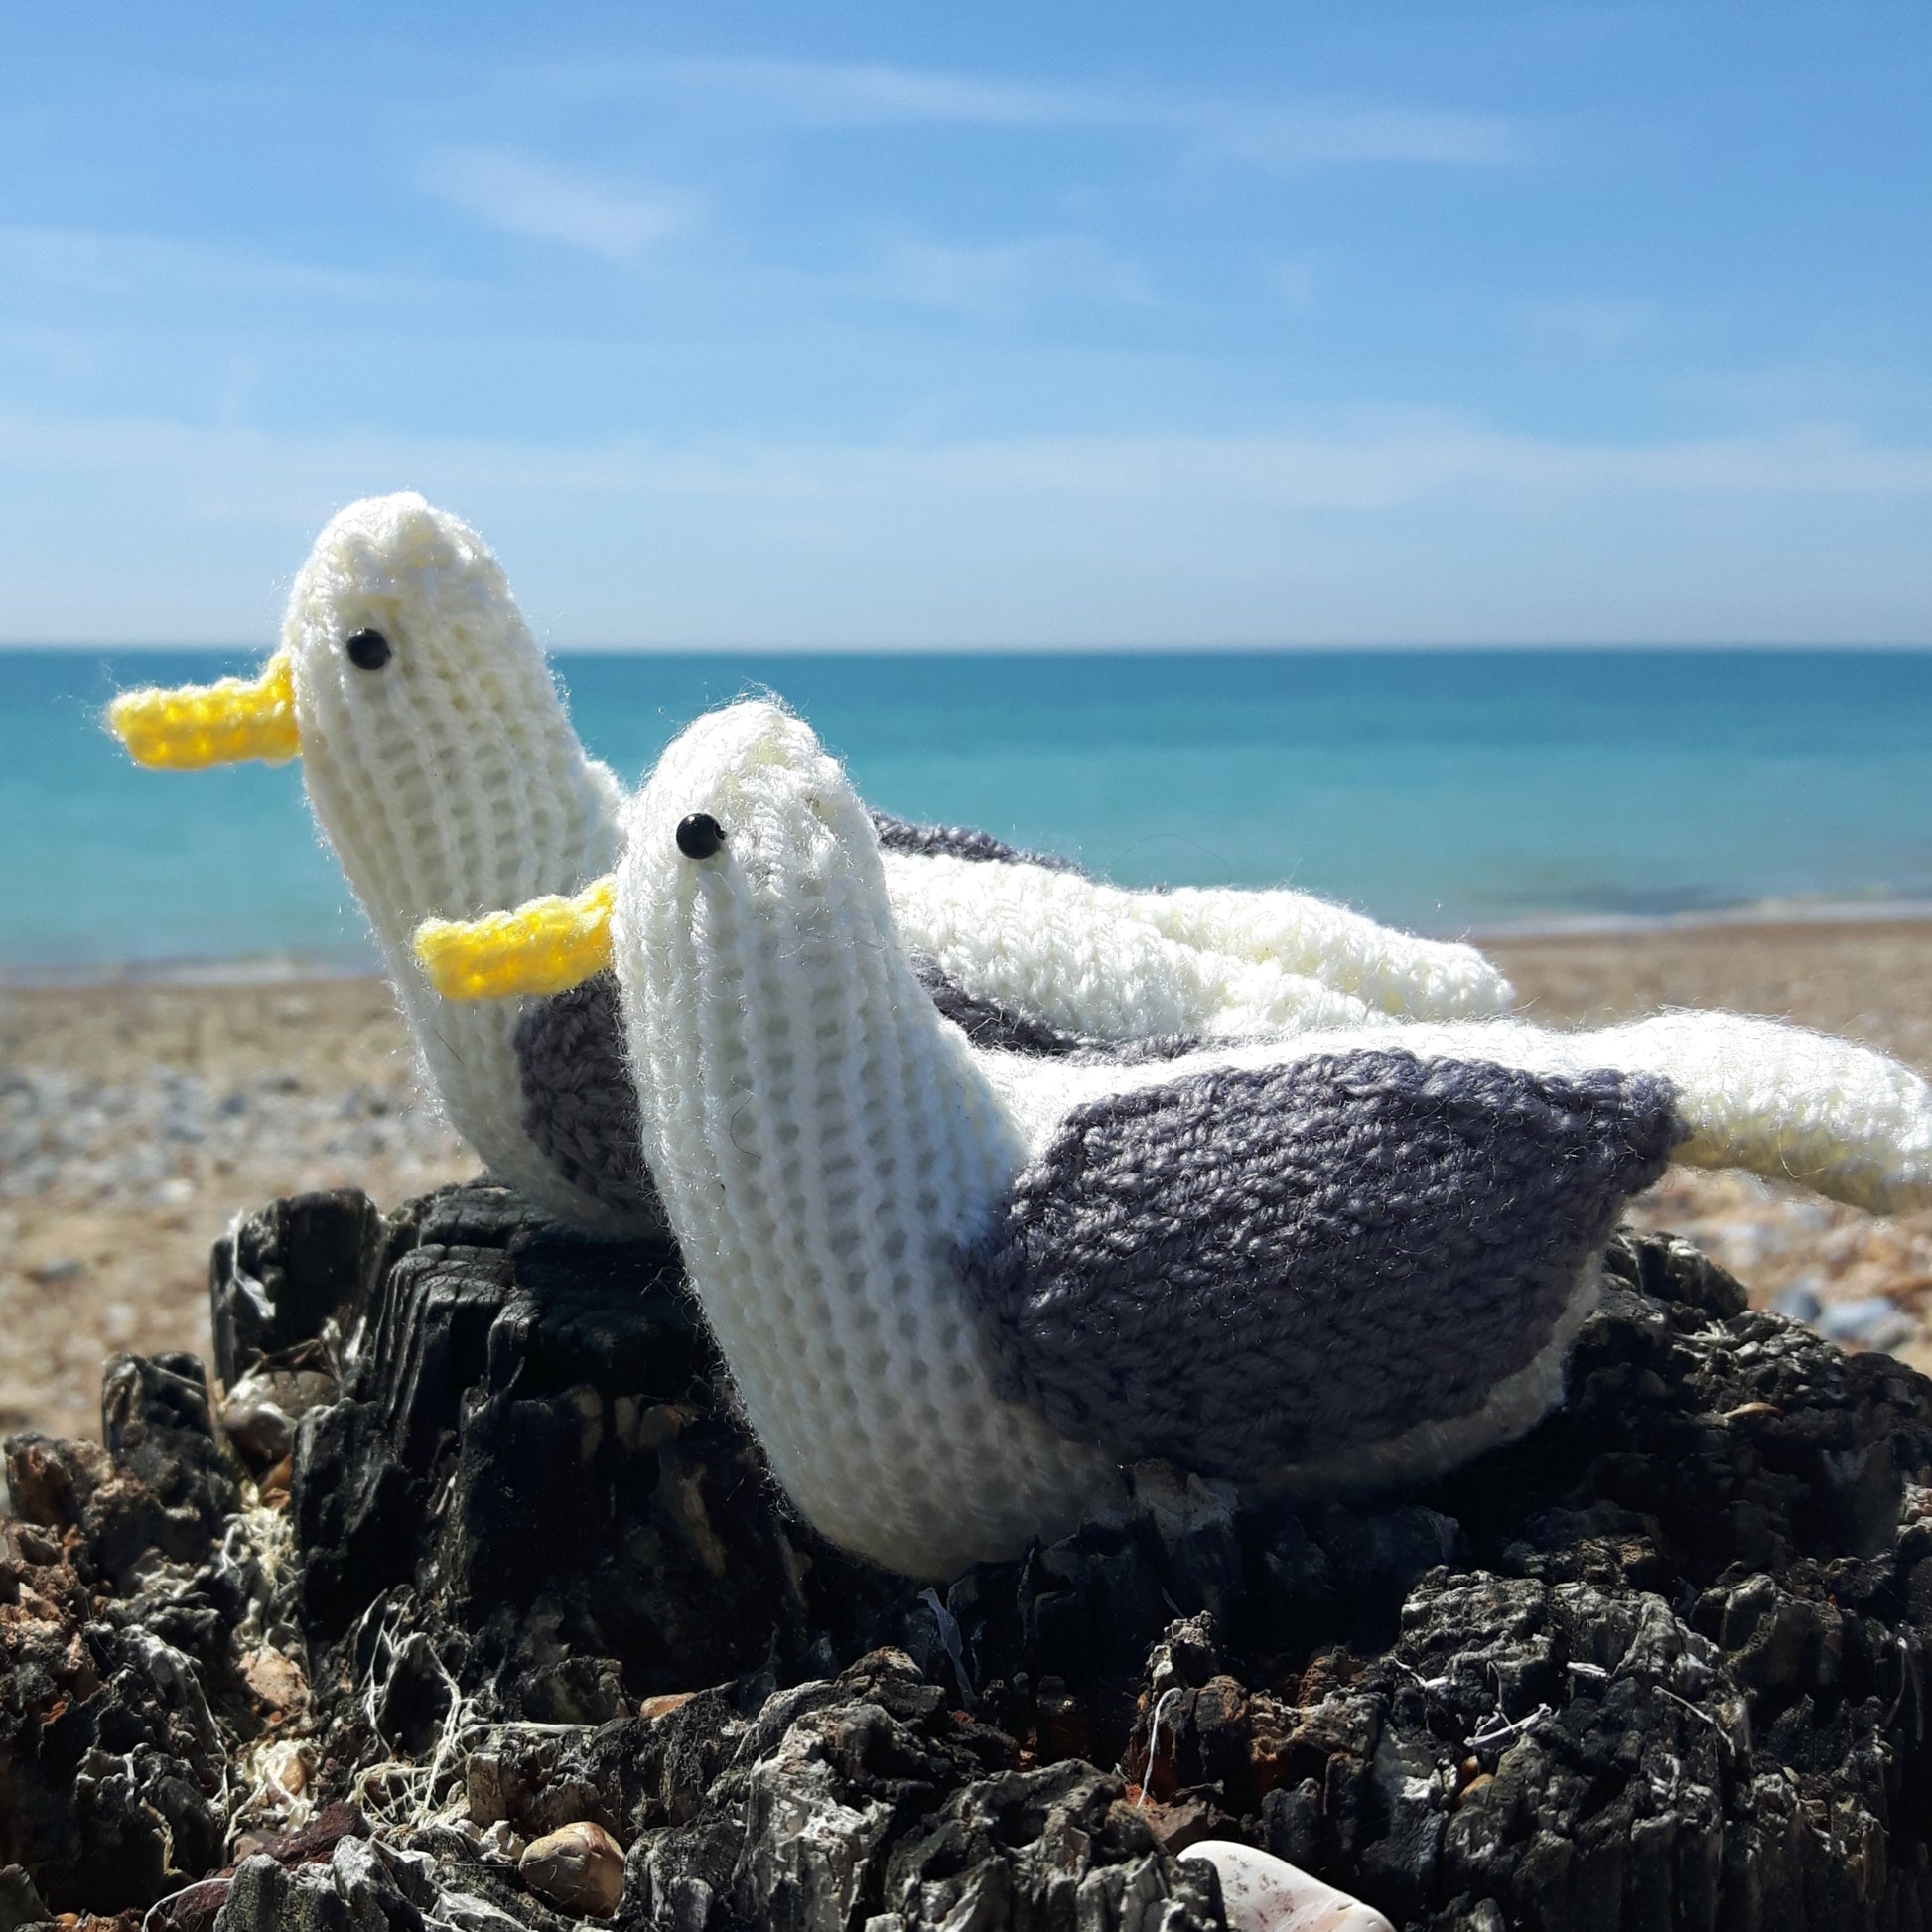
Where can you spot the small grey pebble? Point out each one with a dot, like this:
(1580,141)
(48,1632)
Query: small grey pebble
(1871,1321)
(1798,1304)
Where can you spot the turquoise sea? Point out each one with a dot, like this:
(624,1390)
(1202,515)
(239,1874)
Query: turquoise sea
(1448,790)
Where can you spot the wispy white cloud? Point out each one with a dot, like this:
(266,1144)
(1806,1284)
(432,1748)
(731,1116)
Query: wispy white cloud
(1375,462)
(84,261)
(1379,467)
(1282,133)
(1000,280)
(542,201)
(814,93)
(1294,284)
(1346,534)
(1597,325)
(1330,134)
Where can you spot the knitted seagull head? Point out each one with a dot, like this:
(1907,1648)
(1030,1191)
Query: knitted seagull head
(957,1288)
(443,772)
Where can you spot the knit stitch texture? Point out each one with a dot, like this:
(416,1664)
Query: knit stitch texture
(232,719)
(443,772)
(1300,937)
(1349,1245)
(961,841)
(1331,1260)
(823,1141)
(449,782)
(579,1103)
(989,1024)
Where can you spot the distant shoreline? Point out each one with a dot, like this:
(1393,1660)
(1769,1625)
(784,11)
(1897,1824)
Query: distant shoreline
(290,967)
(242,969)
(1771,913)
(264,641)
(1505,794)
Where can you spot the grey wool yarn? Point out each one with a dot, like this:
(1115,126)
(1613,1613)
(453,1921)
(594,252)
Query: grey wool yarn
(446,776)
(579,1103)
(1248,1267)
(961,842)
(998,1028)
(961,1268)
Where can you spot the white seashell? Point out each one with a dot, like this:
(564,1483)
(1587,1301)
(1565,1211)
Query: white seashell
(1264,1894)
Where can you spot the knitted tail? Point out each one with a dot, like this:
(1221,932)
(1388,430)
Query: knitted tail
(1787,1104)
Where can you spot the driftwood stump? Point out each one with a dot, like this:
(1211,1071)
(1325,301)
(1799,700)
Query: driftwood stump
(465,1546)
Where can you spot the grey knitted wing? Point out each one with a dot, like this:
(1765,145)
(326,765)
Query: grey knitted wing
(580,1104)
(993,1025)
(1246,1268)
(959,842)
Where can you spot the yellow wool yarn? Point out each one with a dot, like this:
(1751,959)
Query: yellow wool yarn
(194,727)
(546,946)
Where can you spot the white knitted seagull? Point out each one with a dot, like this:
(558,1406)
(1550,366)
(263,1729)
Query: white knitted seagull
(958,1288)
(443,771)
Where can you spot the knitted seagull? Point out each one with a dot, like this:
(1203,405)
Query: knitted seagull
(958,1288)
(445,773)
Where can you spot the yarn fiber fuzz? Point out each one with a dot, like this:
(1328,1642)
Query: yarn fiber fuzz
(446,781)
(835,1159)
(1112,964)
(445,774)
(824,1143)
(1430,1220)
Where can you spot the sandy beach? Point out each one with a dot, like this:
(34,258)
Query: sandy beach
(1865,981)
(138,1119)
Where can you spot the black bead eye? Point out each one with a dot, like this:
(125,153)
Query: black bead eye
(699,835)
(368,650)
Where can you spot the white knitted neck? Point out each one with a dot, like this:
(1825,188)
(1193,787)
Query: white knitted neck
(823,1141)
(449,782)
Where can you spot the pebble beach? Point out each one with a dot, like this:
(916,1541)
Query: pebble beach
(139,1118)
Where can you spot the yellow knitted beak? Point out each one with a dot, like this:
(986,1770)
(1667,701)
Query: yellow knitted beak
(194,726)
(548,945)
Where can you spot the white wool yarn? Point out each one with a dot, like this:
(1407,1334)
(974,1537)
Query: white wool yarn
(1772,1099)
(448,780)
(827,1145)
(1092,959)
(822,1139)
(1116,964)
(1390,971)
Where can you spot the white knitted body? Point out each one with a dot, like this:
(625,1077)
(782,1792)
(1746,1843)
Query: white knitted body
(447,782)
(826,1144)
(822,1140)
(1391,972)
(1772,1099)
(1115,964)
(1092,959)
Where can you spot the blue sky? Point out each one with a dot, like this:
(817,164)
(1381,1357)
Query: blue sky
(906,325)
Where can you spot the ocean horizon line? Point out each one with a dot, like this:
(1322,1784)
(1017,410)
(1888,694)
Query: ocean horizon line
(1489,791)
(142,646)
